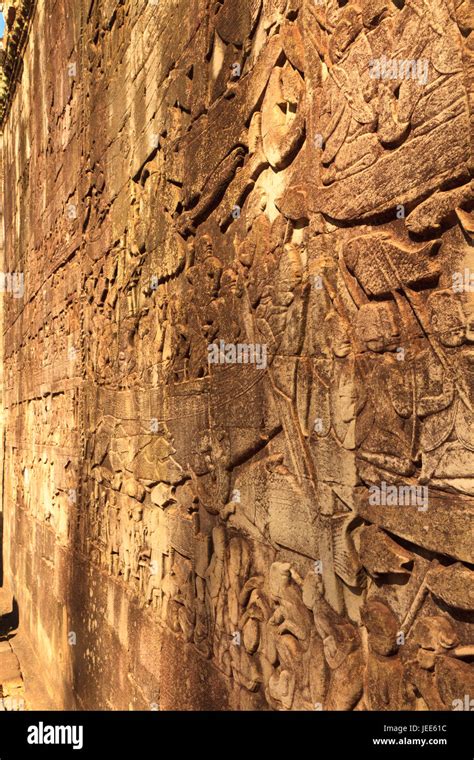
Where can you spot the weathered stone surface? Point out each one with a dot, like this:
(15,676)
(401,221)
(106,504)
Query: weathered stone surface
(238,363)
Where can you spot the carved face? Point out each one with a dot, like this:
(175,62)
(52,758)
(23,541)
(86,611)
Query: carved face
(229,281)
(137,514)
(447,319)
(382,627)
(279,579)
(377,326)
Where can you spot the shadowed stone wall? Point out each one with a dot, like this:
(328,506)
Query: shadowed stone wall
(238,351)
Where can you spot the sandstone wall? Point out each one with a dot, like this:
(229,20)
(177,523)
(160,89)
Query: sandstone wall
(238,379)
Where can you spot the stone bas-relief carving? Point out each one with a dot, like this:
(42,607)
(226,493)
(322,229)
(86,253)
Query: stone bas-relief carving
(239,386)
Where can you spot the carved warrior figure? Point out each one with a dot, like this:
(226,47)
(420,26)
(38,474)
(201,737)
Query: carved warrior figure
(447,439)
(384,687)
(341,647)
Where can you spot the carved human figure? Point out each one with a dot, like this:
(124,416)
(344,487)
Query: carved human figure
(178,609)
(283,115)
(341,647)
(133,543)
(211,468)
(383,677)
(243,630)
(202,630)
(289,631)
(113,518)
(435,676)
(445,403)
(383,437)
(216,585)
(337,398)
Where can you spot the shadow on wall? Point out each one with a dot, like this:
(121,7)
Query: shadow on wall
(9,621)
